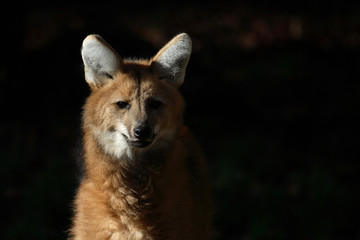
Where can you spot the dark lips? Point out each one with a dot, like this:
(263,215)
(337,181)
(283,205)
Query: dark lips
(139,144)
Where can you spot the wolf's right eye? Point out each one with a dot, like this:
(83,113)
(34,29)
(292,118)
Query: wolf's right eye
(122,104)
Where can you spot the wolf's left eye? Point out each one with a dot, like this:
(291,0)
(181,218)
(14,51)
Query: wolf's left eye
(155,104)
(122,104)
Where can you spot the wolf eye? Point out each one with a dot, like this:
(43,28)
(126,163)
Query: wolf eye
(155,104)
(122,104)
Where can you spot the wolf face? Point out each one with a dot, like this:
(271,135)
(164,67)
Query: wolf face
(134,105)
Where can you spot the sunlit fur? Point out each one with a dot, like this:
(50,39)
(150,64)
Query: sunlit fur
(154,192)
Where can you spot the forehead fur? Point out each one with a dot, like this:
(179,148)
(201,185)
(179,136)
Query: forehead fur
(138,77)
(126,82)
(138,69)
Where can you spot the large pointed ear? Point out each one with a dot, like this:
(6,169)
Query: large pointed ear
(172,59)
(100,60)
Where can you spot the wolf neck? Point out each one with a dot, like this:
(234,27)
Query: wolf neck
(129,181)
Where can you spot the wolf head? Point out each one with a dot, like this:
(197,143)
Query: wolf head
(134,105)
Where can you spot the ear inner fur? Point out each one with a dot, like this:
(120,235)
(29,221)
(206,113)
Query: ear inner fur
(172,59)
(100,59)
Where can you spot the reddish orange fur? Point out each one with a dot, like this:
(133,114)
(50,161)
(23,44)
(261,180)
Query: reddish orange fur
(160,192)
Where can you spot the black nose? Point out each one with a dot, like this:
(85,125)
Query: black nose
(142,132)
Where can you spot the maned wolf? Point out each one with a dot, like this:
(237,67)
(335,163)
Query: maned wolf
(145,176)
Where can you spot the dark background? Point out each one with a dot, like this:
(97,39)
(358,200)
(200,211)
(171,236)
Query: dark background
(273,96)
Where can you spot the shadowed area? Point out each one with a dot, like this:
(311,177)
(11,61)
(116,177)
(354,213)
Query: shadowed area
(272,93)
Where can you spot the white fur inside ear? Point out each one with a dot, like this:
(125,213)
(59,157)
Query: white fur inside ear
(172,59)
(100,60)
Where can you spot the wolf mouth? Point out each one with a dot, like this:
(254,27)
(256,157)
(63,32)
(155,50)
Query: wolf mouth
(138,143)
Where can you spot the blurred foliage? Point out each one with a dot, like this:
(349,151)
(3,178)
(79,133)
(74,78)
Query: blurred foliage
(273,96)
